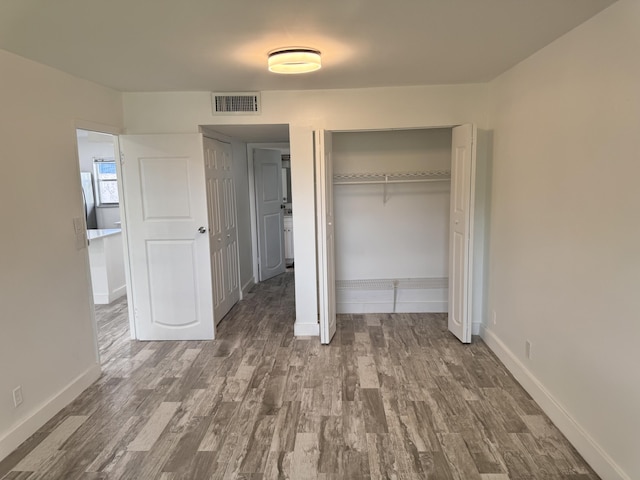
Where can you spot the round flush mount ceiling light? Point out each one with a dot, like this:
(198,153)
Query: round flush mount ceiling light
(294,60)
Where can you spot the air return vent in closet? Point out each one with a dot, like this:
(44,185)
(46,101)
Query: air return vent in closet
(229,103)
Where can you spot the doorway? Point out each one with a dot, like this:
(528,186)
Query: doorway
(245,140)
(273,210)
(459,259)
(98,153)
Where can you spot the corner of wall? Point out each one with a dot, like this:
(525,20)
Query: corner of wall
(592,452)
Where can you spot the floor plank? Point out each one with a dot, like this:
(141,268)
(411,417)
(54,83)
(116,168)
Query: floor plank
(393,396)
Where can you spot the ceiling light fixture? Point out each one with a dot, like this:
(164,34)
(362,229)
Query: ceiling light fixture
(294,60)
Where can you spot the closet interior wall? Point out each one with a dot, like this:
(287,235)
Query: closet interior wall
(391,239)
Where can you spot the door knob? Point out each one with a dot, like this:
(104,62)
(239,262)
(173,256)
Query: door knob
(202,230)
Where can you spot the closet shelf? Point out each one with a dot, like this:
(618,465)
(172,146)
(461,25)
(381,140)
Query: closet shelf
(387,178)
(393,284)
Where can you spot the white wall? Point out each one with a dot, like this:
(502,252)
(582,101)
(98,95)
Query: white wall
(406,237)
(565,233)
(304,111)
(47,336)
(394,231)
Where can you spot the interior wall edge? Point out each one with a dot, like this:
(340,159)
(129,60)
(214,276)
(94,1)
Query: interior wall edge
(584,443)
(47,410)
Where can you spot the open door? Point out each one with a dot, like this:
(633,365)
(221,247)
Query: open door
(463,172)
(267,166)
(166,209)
(223,231)
(326,241)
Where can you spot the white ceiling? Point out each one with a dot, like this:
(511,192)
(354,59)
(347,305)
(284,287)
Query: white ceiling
(222,45)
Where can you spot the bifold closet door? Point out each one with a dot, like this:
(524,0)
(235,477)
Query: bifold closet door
(463,170)
(326,239)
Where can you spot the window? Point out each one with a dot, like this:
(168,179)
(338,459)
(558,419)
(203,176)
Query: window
(106,181)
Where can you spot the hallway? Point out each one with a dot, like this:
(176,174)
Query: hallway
(393,396)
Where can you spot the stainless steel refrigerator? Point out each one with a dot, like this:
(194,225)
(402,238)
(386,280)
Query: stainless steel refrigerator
(88,199)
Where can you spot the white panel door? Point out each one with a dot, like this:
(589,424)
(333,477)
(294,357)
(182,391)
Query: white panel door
(463,170)
(223,232)
(165,202)
(326,240)
(267,166)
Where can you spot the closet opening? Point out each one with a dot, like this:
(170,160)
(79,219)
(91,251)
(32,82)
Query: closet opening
(391,194)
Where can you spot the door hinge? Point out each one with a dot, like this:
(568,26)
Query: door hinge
(121,158)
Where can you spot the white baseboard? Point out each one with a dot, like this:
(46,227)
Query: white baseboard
(248,286)
(476,328)
(387,307)
(44,412)
(117,293)
(590,450)
(101,298)
(306,329)
(107,298)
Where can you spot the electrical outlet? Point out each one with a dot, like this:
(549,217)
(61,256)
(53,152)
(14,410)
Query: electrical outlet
(17,396)
(527,349)
(494,317)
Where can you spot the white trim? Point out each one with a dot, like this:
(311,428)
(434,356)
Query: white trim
(248,286)
(433,306)
(101,299)
(117,293)
(306,329)
(97,127)
(107,298)
(476,328)
(592,452)
(43,413)
(128,274)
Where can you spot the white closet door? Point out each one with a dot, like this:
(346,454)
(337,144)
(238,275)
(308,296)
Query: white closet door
(166,208)
(326,241)
(267,167)
(463,171)
(223,232)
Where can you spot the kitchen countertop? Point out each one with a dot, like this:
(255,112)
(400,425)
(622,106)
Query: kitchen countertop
(93,234)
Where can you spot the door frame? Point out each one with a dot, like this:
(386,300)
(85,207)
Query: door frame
(115,132)
(476,244)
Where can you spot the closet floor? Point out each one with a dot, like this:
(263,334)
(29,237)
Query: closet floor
(393,396)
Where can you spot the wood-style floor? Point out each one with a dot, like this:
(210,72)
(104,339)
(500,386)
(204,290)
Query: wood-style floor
(392,397)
